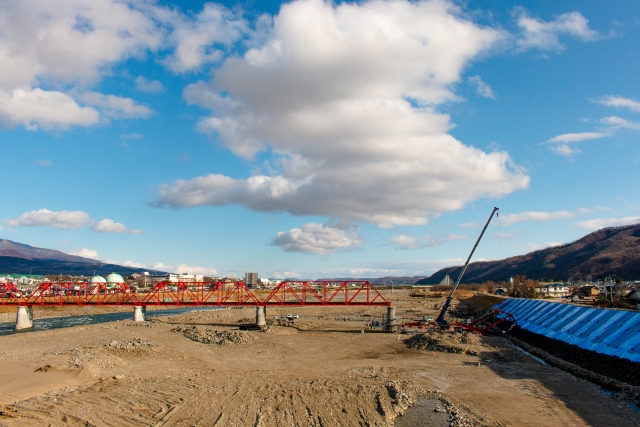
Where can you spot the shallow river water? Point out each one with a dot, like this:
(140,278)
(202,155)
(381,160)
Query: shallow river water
(43,324)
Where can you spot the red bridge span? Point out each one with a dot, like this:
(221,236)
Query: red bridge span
(194,294)
(286,293)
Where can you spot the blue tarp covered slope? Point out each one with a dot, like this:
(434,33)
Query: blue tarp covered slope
(612,332)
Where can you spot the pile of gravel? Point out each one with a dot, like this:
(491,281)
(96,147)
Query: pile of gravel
(211,336)
(446,342)
(131,344)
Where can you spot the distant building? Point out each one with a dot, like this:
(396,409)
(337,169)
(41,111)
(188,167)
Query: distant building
(587,292)
(251,279)
(553,290)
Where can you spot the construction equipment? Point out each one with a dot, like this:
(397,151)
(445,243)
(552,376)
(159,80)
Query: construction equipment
(441,320)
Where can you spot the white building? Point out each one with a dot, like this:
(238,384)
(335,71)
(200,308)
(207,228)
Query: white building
(553,290)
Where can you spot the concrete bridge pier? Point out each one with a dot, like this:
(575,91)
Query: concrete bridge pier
(24,319)
(139,313)
(391,326)
(261,316)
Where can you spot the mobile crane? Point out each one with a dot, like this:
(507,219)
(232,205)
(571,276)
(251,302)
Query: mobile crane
(441,320)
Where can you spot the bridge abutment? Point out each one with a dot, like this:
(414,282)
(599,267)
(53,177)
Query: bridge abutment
(391,325)
(24,318)
(261,316)
(139,313)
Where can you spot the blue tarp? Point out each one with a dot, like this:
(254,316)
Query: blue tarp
(612,332)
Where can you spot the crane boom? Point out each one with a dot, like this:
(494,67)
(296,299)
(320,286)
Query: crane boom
(440,320)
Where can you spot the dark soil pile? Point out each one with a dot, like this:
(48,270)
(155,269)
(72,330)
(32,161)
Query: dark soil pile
(611,366)
(211,336)
(445,342)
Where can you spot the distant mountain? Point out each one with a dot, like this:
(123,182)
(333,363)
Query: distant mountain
(24,259)
(610,251)
(397,280)
(9,248)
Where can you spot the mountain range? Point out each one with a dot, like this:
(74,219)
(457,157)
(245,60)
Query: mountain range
(26,259)
(611,251)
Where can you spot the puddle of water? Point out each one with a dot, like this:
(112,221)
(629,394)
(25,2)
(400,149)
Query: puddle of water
(422,415)
(7,328)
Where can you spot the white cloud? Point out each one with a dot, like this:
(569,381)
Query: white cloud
(283,274)
(543,35)
(313,238)
(44,162)
(561,142)
(67,43)
(144,85)
(87,253)
(67,220)
(344,96)
(115,107)
(484,90)
(132,264)
(615,122)
(33,108)
(406,241)
(204,38)
(534,216)
(577,137)
(596,224)
(620,102)
(186,269)
(110,226)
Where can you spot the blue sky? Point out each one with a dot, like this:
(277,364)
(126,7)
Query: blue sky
(313,139)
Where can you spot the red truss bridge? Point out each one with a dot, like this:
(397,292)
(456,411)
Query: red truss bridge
(287,293)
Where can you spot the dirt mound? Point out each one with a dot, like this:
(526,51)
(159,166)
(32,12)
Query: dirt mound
(246,320)
(211,336)
(446,342)
(131,344)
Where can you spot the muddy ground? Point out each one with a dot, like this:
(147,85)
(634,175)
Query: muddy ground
(199,369)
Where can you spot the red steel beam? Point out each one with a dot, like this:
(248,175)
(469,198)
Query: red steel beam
(287,293)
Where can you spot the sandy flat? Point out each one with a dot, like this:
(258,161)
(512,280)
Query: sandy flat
(322,372)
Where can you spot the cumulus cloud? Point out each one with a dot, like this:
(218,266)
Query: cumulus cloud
(344,96)
(484,90)
(313,238)
(144,85)
(597,224)
(620,102)
(110,226)
(538,34)
(534,216)
(34,108)
(68,220)
(203,38)
(86,252)
(186,269)
(406,241)
(66,43)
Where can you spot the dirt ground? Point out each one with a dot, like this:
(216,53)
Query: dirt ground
(199,369)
